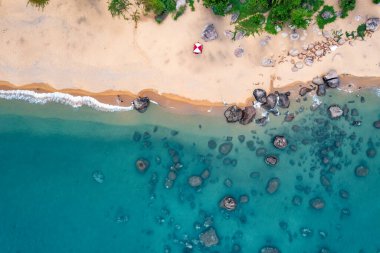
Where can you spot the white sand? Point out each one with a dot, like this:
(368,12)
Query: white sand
(77,44)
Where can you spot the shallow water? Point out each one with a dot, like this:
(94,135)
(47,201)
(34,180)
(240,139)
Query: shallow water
(50,201)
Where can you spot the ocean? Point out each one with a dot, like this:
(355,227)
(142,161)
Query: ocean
(69,182)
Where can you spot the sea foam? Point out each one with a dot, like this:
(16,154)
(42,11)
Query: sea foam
(62,98)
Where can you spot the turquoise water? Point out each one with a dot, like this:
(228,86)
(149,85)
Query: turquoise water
(50,201)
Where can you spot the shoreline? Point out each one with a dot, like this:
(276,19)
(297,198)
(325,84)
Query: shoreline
(118,100)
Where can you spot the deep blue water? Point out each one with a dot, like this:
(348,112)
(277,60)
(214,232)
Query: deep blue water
(50,201)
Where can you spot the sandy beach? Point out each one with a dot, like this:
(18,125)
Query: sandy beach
(74,46)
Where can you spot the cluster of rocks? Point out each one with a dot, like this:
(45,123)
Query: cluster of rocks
(141,104)
(330,80)
(243,116)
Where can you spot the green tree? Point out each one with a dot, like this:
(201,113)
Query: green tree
(346,6)
(38,3)
(300,18)
(325,16)
(252,25)
(217,6)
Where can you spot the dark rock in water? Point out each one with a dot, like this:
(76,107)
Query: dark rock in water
(324,250)
(361,171)
(280,142)
(228,183)
(98,176)
(228,203)
(205,174)
(376,124)
(251,145)
(262,121)
(236,248)
(271,160)
(195,181)
(211,144)
(241,138)
(345,212)
(332,79)
(371,152)
(297,200)
(209,238)
(317,203)
(225,148)
(260,95)
(357,123)
(272,185)
(321,90)
(142,164)
(354,112)
(304,90)
(261,151)
(209,33)
(372,24)
(244,199)
(141,104)
(136,136)
(269,249)
(345,110)
(289,117)
(233,114)
(249,114)
(335,112)
(271,102)
(344,194)
(283,100)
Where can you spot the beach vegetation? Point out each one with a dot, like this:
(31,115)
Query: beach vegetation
(361,31)
(252,25)
(376,1)
(219,7)
(326,15)
(180,12)
(191,4)
(346,6)
(38,3)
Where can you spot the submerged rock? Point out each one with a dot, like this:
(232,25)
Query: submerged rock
(361,171)
(228,203)
(142,164)
(225,148)
(262,121)
(372,24)
(233,114)
(211,144)
(280,142)
(98,176)
(249,114)
(321,90)
(271,160)
(271,102)
(332,79)
(335,111)
(283,100)
(269,249)
(376,124)
(209,238)
(260,95)
(289,117)
(141,104)
(304,90)
(209,33)
(317,203)
(272,185)
(195,181)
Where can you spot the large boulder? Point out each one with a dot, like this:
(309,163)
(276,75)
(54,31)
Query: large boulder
(249,113)
(283,100)
(142,164)
(209,238)
(272,185)
(209,33)
(271,102)
(332,79)
(335,111)
(280,142)
(304,90)
(321,90)
(269,249)
(372,24)
(271,160)
(228,203)
(141,104)
(260,95)
(233,114)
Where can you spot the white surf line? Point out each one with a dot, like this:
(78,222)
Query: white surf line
(61,98)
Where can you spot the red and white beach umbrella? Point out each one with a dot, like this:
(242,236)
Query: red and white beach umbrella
(198,48)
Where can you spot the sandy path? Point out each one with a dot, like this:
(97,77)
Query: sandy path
(77,44)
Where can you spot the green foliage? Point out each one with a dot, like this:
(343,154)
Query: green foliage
(361,31)
(169,5)
(300,18)
(217,6)
(179,13)
(313,5)
(252,25)
(155,6)
(346,6)
(118,8)
(191,3)
(38,3)
(252,7)
(376,1)
(322,21)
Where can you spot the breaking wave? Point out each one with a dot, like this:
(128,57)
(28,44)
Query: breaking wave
(61,98)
